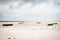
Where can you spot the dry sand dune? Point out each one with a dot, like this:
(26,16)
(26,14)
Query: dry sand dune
(30,31)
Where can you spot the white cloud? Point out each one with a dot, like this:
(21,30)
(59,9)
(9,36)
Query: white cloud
(41,12)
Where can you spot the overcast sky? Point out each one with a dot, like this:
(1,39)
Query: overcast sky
(29,10)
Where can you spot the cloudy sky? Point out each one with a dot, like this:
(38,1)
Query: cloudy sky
(29,10)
